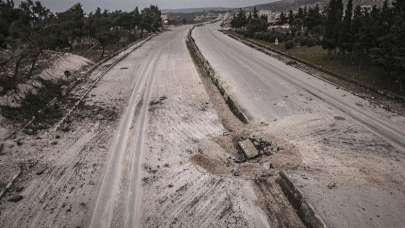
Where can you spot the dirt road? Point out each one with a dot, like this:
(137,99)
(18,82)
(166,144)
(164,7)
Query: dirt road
(353,152)
(130,156)
(148,147)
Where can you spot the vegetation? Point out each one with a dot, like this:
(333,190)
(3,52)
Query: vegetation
(356,37)
(253,23)
(30,28)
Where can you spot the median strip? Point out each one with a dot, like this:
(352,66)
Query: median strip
(298,202)
(207,69)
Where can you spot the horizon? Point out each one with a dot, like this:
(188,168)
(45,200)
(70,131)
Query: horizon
(128,5)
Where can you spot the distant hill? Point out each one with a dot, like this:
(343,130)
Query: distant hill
(285,5)
(196,10)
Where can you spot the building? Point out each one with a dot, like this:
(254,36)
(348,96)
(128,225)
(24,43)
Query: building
(367,8)
(165,19)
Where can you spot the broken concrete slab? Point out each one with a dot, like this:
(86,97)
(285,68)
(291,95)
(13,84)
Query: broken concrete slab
(248,149)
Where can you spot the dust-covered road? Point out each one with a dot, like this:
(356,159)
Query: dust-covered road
(147,147)
(150,179)
(353,153)
(138,152)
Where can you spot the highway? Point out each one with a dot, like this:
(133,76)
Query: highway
(339,134)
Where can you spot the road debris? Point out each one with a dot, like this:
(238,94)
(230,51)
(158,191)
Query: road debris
(1,148)
(332,185)
(248,149)
(16,198)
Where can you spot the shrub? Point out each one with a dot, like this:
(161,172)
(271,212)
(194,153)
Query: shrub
(289,44)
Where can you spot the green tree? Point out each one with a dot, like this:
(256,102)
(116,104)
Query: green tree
(239,20)
(346,35)
(291,17)
(151,19)
(282,19)
(334,12)
(314,21)
(71,24)
(255,23)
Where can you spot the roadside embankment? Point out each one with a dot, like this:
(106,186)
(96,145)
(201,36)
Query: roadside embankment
(39,99)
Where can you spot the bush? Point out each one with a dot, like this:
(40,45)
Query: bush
(270,36)
(311,41)
(289,44)
(307,41)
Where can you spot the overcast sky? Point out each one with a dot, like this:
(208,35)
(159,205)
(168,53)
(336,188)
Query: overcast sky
(127,5)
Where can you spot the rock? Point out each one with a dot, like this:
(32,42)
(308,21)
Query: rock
(19,142)
(339,118)
(28,131)
(236,172)
(1,148)
(67,74)
(65,128)
(41,171)
(267,151)
(162,200)
(332,185)
(248,149)
(99,117)
(16,198)
(170,186)
(291,62)
(268,165)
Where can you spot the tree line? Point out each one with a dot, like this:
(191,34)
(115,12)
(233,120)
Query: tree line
(252,22)
(376,34)
(364,36)
(30,28)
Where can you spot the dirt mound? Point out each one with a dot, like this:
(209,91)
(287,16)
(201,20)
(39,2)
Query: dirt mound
(58,67)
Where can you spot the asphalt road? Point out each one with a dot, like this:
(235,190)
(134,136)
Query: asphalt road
(343,138)
(259,82)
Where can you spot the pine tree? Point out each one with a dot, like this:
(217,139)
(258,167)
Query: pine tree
(334,12)
(346,36)
(314,21)
(255,13)
(291,17)
(398,33)
(282,19)
(239,20)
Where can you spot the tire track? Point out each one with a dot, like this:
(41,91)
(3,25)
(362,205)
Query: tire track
(111,188)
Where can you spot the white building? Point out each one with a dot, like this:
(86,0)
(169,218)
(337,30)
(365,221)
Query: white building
(271,16)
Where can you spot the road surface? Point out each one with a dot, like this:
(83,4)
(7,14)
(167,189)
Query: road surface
(352,152)
(131,154)
(150,179)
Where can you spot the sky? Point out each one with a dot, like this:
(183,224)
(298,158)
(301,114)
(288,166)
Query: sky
(128,5)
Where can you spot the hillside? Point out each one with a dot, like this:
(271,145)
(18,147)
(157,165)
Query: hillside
(196,10)
(284,5)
